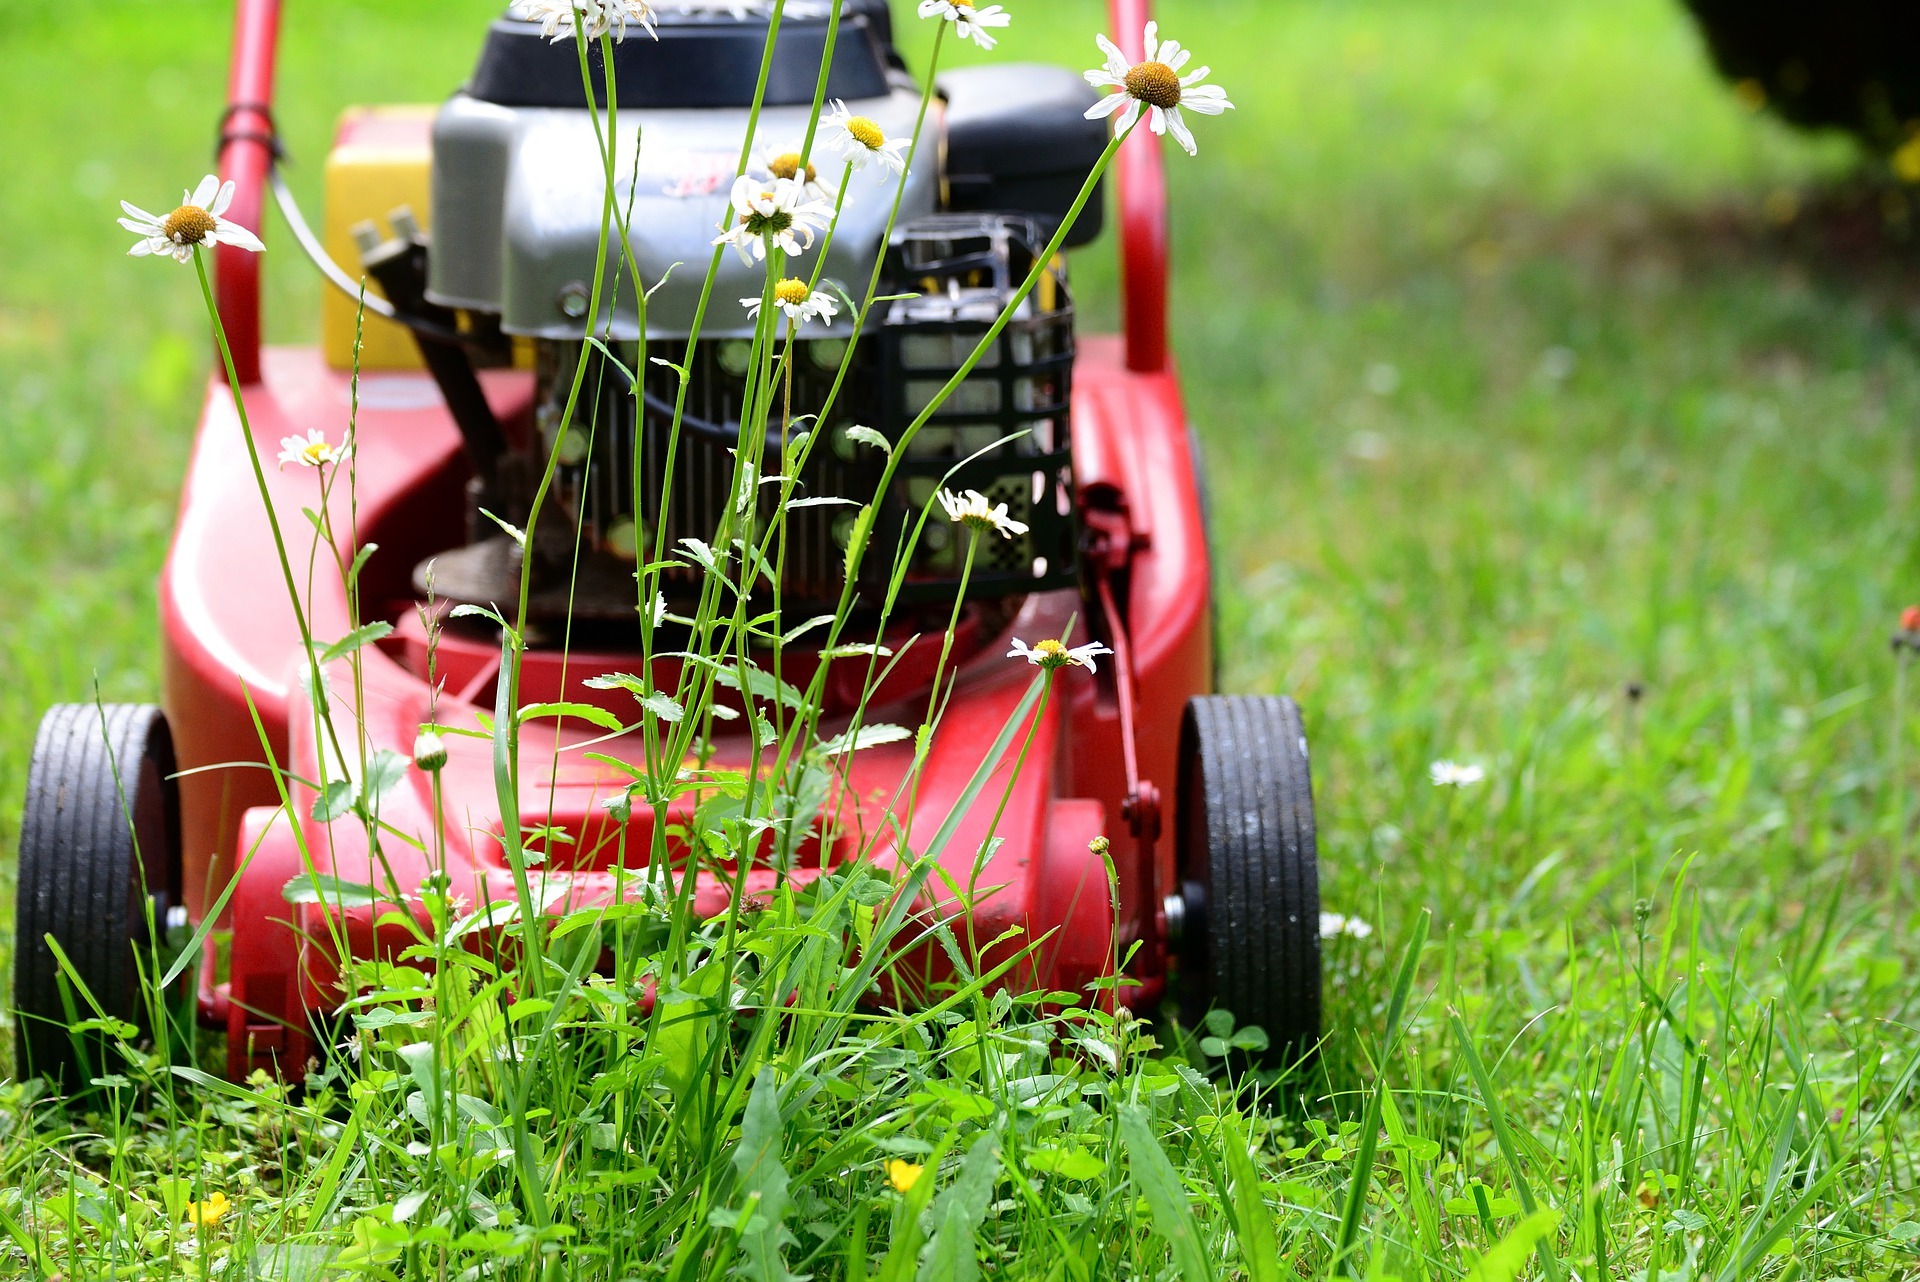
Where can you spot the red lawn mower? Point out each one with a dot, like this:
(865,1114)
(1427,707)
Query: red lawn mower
(491,205)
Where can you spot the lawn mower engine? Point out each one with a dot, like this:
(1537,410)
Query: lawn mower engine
(517,211)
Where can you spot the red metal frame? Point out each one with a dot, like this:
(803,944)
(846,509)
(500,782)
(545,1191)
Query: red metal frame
(231,654)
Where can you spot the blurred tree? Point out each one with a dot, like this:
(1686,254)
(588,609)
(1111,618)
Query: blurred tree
(1850,64)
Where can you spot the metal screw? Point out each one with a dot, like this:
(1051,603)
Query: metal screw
(574,300)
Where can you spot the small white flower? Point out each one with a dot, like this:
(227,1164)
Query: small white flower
(859,139)
(977,512)
(559,19)
(784,162)
(800,303)
(1334,925)
(198,221)
(763,211)
(1156,87)
(1452,774)
(1055,654)
(311,450)
(969,22)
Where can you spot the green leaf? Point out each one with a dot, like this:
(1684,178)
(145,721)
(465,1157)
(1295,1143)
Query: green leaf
(579,711)
(1252,1221)
(514,532)
(952,1256)
(865,737)
(867,436)
(1159,1183)
(351,642)
(385,769)
(319,888)
(763,1179)
(665,707)
(1508,1256)
(1067,1163)
(334,801)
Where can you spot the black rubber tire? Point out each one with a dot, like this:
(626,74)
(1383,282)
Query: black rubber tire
(1852,64)
(86,877)
(1249,869)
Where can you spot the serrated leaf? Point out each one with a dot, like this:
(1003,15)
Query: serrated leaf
(702,554)
(665,707)
(857,650)
(335,800)
(864,737)
(514,532)
(858,536)
(319,888)
(867,436)
(793,504)
(355,639)
(385,769)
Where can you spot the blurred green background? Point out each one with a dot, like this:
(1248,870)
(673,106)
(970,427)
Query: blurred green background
(1528,362)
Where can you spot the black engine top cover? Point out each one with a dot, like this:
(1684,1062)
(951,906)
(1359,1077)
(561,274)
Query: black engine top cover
(701,60)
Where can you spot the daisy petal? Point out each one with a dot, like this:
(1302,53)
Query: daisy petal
(221,201)
(204,193)
(1181,133)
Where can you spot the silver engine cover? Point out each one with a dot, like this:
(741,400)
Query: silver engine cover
(518,194)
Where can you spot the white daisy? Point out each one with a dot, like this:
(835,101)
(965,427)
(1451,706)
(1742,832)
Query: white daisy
(799,302)
(559,19)
(1452,774)
(1156,87)
(773,211)
(977,512)
(785,163)
(860,138)
(969,22)
(1334,925)
(311,450)
(1055,654)
(196,222)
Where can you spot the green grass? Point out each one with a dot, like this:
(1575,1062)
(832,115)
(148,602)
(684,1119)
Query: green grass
(1514,395)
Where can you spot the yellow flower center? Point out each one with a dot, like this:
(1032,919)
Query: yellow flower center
(1051,649)
(961,4)
(866,133)
(792,293)
(187,225)
(1156,84)
(787,165)
(317,452)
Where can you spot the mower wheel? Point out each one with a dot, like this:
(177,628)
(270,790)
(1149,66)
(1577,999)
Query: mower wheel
(1249,908)
(99,862)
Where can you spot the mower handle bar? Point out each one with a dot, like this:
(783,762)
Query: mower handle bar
(248,152)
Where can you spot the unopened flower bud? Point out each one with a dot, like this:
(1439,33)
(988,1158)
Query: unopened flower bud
(430,752)
(1910,619)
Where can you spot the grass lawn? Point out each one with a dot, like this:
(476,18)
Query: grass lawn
(1561,418)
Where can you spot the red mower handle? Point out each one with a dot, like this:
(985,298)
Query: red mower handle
(1143,214)
(247,147)
(246,158)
